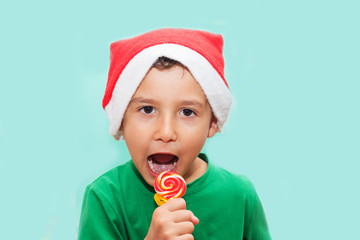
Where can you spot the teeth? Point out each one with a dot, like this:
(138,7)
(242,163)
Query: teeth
(150,162)
(158,166)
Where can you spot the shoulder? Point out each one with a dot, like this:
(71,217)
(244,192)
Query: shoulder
(237,181)
(237,186)
(224,179)
(100,214)
(109,181)
(240,193)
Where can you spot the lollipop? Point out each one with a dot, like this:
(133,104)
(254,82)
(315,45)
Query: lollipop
(168,185)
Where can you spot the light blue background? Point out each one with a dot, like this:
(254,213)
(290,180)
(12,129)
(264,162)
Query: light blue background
(293,68)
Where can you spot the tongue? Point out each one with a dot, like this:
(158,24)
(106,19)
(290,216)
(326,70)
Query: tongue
(163,162)
(162,167)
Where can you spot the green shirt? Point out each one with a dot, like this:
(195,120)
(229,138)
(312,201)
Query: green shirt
(120,204)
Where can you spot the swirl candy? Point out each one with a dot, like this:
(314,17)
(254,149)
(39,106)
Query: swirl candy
(168,185)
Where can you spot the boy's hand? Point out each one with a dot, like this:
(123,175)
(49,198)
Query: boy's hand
(172,221)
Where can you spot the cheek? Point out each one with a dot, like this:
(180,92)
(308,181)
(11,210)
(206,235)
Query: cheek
(135,139)
(195,139)
(134,128)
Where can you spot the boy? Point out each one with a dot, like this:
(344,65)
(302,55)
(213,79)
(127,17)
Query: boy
(166,94)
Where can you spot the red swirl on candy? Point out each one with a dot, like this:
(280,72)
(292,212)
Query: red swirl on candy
(168,185)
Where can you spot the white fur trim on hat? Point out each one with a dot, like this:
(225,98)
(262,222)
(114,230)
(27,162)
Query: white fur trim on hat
(213,85)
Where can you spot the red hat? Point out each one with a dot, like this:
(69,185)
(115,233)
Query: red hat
(130,60)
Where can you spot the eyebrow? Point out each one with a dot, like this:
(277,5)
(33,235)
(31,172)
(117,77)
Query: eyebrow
(191,102)
(142,100)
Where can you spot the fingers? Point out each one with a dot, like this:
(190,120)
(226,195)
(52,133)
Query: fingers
(183,228)
(178,205)
(175,204)
(195,220)
(185,215)
(172,221)
(185,237)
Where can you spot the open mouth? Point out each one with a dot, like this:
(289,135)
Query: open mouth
(161,162)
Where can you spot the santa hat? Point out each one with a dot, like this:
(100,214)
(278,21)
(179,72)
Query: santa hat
(131,59)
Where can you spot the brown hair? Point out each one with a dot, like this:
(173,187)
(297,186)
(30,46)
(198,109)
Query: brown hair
(165,63)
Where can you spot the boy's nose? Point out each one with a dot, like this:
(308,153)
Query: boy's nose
(166,129)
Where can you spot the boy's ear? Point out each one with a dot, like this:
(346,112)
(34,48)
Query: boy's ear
(121,131)
(121,126)
(213,127)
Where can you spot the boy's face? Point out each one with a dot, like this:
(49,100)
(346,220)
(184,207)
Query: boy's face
(166,124)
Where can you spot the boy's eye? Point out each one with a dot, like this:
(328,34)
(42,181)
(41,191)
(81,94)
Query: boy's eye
(147,110)
(187,112)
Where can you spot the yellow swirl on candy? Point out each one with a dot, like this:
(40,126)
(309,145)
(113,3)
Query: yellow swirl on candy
(168,185)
